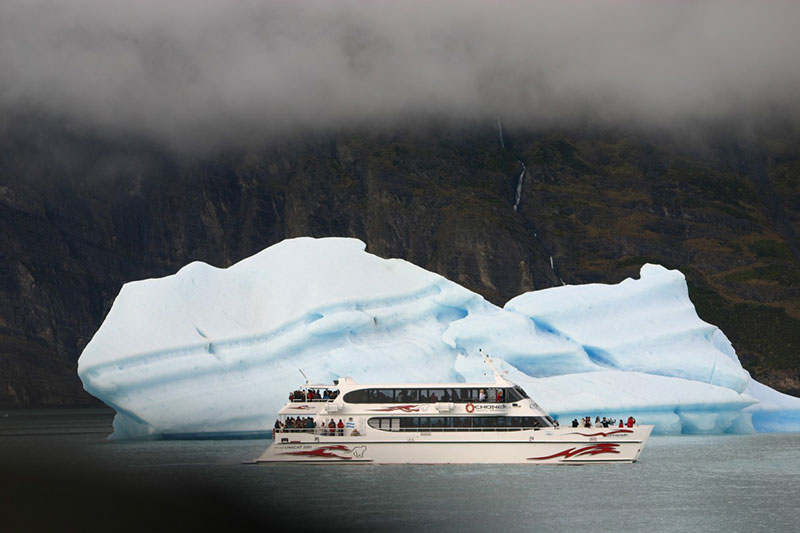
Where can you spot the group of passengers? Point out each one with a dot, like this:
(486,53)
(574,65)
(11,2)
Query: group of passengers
(313,395)
(334,428)
(498,397)
(294,424)
(586,422)
(331,428)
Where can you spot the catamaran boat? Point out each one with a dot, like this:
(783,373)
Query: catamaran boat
(492,422)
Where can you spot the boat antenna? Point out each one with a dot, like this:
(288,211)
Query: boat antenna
(489,361)
(304,375)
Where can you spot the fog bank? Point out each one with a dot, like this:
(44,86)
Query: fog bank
(213,70)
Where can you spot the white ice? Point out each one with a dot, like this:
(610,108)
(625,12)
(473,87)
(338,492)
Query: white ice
(216,351)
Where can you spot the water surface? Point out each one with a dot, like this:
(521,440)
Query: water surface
(724,483)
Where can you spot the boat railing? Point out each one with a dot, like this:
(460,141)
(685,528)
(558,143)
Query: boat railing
(452,429)
(326,431)
(316,431)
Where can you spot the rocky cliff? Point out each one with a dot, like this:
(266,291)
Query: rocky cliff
(80,214)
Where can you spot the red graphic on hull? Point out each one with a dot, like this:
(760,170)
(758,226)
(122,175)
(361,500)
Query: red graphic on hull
(601,433)
(324,451)
(404,408)
(301,407)
(594,449)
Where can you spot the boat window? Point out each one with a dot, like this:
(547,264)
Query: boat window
(439,422)
(407,395)
(485,421)
(408,422)
(459,423)
(385,396)
(435,395)
(356,396)
(456,395)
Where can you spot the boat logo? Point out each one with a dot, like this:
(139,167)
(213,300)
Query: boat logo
(337,451)
(471,407)
(594,449)
(404,408)
(491,407)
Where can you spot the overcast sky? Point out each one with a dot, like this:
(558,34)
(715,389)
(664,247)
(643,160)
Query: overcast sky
(175,69)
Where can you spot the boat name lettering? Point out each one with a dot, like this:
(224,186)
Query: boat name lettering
(491,407)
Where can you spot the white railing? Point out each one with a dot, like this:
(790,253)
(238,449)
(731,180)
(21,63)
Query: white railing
(446,429)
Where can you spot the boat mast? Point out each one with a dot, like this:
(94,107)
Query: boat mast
(498,375)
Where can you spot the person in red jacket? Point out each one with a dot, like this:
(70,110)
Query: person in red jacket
(631,421)
(331,428)
(621,424)
(340,427)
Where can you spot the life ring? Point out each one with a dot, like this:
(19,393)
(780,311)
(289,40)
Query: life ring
(470,407)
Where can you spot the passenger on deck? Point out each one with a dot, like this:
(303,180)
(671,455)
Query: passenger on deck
(310,395)
(631,421)
(574,422)
(482,396)
(499,397)
(620,423)
(340,428)
(278,426)
(331,428)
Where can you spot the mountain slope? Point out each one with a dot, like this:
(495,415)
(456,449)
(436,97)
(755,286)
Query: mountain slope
(81,214)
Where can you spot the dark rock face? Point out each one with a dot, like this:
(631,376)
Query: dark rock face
(80,215)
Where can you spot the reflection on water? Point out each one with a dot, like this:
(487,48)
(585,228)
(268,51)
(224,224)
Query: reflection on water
(737,483)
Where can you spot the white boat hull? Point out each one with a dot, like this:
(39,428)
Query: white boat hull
(533,446)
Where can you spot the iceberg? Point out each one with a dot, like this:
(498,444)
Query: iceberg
(210,351)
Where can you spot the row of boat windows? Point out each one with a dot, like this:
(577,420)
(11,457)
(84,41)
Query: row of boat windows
(457,395)
(444,423)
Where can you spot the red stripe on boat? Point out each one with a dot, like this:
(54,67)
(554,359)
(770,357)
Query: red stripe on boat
(595,449)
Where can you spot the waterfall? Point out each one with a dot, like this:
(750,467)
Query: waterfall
(500,130)
(519,185)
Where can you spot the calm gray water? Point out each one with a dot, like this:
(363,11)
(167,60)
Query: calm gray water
(730,483)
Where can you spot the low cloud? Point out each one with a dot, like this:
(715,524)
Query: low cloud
(215,70)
